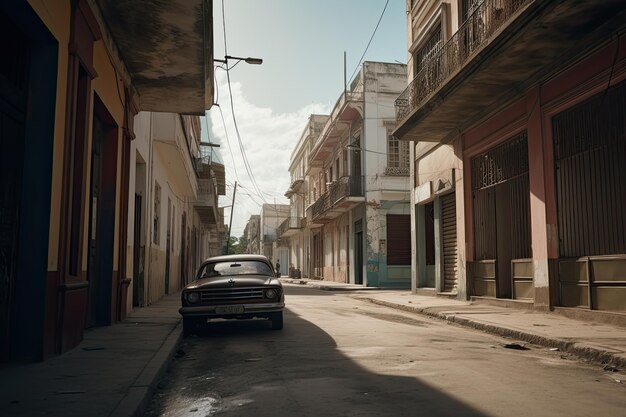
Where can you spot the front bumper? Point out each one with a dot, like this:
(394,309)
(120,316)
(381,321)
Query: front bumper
(249,310)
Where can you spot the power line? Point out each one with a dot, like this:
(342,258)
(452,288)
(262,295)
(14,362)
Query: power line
(232,108)
(368,43)
(228,142)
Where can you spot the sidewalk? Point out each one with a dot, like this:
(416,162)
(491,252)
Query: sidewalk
(592,341)
(111,373)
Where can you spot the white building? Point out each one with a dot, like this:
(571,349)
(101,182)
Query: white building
(173,219)
(357,186)
(252,233)
(295,230)
(271,217)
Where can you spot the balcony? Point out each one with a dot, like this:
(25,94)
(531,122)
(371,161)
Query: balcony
(206,202)
(348,108)
(172,144)
(167,49)
(341,196)
(505,46)
(290,226)
(294,187)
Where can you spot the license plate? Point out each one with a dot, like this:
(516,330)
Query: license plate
(229,310)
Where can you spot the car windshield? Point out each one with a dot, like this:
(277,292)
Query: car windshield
(220,269)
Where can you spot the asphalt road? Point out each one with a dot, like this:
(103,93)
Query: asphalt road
(340,356)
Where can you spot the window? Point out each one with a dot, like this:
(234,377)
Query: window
(428,50)
(243,267)
(156,230)
(468,7)
(398,156)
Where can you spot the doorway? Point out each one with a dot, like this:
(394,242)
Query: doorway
(101,217)
(168,246)
(15,48)
(183,252)
(501,210)
(138,283)
(358,252)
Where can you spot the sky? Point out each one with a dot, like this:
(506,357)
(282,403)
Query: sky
(302,44)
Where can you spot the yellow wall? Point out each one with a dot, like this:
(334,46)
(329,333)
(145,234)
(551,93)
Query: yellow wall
(105,87)
(55,14)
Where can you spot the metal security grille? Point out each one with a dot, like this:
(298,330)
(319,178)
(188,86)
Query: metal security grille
(501,206)
(506,163)
(520,218)
(590,150)
(502,163)
(484,224)
(450,251)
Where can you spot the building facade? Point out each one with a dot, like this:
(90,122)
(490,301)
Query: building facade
(359,186)
(252,230)
(296,229)
(270,219)
(173,215)
(66,135)
(524,179)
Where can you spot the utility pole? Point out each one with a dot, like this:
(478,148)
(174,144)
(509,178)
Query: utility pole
(230,223)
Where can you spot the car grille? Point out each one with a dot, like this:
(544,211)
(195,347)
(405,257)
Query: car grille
(230,295)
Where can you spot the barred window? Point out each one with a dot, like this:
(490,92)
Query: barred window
(398,156)
(428,50)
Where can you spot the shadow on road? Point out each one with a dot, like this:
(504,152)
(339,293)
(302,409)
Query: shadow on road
(246,369)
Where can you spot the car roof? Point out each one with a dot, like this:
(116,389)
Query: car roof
(238,257)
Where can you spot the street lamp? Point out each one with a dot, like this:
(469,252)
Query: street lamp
(248,60)
(357,148)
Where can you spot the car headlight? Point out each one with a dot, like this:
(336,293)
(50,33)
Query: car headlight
(193,297)
(271,293)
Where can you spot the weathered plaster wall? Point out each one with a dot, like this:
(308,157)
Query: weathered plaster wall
(153,169)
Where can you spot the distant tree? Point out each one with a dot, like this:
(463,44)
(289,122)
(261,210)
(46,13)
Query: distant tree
(232,247)
(242,245)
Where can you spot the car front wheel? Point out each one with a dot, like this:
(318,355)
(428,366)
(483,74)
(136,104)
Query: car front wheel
(277,321)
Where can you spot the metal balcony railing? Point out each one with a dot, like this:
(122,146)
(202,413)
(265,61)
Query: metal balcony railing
(289,223)
(206,186)
(349,186)
(473,35)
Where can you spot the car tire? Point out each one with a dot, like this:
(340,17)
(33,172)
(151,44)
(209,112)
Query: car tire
(277,321)
(192,325)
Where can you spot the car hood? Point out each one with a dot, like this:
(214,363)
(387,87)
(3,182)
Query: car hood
(231,281)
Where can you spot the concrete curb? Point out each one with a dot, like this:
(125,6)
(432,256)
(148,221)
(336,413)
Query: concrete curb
(140,392)
(588,353)
(318,285)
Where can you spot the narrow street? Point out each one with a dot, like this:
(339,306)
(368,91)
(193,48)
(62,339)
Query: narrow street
(341,356)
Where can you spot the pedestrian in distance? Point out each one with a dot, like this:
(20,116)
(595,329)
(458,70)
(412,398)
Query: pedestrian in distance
(278,269)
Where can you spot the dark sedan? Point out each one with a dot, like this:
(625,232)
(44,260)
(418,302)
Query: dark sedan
(233,287)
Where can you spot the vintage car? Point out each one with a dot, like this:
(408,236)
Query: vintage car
(233,287)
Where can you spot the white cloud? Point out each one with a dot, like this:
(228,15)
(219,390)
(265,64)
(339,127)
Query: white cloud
(268,139)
